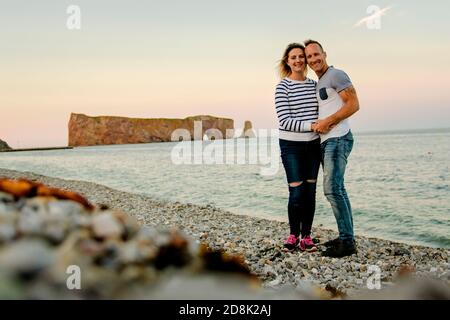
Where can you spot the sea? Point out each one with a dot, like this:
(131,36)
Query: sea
(398,182)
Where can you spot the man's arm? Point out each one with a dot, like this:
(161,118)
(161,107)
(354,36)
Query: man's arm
(351,105)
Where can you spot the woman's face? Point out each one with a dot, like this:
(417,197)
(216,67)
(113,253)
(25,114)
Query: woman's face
(296,60)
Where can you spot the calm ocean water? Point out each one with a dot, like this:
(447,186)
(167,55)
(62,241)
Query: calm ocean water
(398,182)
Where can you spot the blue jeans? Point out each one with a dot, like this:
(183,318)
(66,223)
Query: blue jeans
(301,161)
(335,152)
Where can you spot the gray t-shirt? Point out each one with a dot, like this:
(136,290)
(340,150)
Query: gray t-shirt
(330,84)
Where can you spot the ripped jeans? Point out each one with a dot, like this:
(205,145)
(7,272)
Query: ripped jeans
(301,161)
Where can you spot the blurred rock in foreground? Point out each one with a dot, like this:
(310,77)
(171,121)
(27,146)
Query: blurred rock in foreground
(54,244)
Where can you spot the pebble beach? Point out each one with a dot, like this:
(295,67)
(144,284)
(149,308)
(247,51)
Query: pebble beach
(260,242)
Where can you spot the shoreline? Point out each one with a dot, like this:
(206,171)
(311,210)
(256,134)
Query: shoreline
(259,240)
(36,149)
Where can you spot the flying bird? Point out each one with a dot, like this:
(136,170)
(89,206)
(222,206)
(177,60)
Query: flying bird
(372,17)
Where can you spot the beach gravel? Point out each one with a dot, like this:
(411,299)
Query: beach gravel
(259,241)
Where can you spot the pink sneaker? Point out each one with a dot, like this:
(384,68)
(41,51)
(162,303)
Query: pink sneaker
(307,244)
(291,242)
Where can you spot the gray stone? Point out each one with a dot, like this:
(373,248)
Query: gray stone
(7,232)
(26,256)
(275,282)
(105,225)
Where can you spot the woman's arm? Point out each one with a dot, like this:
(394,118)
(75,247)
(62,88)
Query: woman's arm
(284,113)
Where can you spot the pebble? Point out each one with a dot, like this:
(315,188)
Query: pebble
(105,225)
(275,282)
(26,256)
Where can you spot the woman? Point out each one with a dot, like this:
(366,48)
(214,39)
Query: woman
(297,110)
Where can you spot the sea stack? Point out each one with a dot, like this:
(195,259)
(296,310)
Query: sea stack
(248,130)
(4,146)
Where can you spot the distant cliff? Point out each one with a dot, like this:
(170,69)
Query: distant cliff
(103,130)
(4,146)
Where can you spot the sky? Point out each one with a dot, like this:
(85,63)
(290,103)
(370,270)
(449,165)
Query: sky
(174,59)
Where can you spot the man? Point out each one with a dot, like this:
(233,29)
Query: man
(337,102)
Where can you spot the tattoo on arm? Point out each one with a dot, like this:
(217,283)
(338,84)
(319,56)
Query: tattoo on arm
(350,99)
(350,91)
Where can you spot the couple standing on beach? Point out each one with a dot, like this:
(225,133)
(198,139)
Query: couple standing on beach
(313,130)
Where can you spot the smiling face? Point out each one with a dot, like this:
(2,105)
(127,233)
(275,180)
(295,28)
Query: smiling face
(316,58)
(296,60)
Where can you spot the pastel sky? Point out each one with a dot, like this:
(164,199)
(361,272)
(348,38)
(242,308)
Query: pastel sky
(176,58)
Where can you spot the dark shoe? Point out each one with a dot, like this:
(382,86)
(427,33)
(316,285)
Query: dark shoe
(331,243)
(342,248)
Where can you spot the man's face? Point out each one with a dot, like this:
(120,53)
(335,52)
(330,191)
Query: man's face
(315,57)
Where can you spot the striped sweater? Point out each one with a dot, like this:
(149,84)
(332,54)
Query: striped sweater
(297,108)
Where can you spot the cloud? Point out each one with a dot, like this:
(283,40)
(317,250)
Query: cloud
(374,16)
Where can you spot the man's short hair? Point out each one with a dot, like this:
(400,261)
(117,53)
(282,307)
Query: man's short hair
(309,41)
